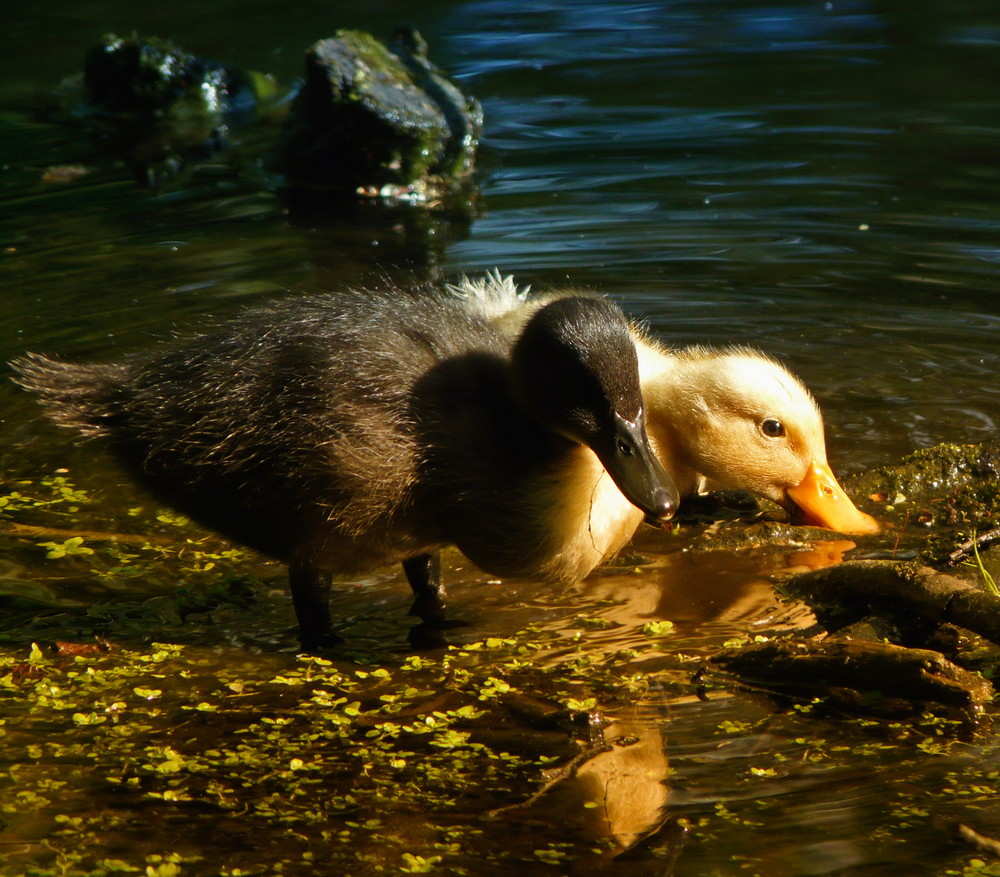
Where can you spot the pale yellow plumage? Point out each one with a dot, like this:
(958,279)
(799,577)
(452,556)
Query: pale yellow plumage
(718,419)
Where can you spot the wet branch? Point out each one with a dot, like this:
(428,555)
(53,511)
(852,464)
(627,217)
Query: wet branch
(981,842)
(976,542)
(894,589)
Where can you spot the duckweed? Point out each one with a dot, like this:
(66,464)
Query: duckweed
(313,756)
(71,546)
(201,756)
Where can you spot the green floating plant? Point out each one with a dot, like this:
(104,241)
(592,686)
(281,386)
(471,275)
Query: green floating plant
(68,548)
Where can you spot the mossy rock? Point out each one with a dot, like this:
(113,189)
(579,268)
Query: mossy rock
(371,119)
(157,107)
(949,491)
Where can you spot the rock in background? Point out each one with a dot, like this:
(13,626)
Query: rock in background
(158,108)
(371,123)
(377,121)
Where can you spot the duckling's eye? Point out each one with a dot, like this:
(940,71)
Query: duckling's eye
(773,428)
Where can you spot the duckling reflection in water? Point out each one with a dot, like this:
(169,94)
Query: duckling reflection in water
(345,432)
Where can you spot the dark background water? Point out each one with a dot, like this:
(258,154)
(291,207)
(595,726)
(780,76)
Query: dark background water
(818,179)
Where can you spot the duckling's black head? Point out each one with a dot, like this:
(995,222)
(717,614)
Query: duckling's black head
(575,370)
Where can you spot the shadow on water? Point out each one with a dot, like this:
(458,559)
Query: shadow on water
(817,180)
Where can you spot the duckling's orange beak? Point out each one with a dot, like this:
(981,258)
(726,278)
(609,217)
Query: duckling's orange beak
(823,503)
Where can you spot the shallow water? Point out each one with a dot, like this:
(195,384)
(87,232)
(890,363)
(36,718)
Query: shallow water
(817,179)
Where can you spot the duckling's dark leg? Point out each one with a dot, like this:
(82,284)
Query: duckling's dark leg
(424,574)
(311,598)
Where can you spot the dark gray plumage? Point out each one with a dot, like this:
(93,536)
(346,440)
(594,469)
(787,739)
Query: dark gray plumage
(344,432)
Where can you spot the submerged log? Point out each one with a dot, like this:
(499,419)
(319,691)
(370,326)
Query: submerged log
(858,672)
(895,589)
(951,492)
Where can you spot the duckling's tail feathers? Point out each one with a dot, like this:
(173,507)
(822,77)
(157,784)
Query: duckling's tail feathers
(493,294)
(78,396)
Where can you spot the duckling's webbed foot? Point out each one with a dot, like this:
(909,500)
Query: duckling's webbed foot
(311,598)
(424,574)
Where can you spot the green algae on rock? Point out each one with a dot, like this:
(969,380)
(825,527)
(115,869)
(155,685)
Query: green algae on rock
(157,107)
(378,121)
(948,485)
(372,123)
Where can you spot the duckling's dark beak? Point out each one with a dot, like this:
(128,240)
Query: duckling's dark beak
(626,455)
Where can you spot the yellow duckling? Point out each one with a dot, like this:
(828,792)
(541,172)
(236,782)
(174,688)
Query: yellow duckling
(718,419)
(736,419)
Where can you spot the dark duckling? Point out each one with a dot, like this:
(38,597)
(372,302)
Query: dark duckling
(344,432)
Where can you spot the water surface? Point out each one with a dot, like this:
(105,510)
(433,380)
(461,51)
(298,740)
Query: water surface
(817,179)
